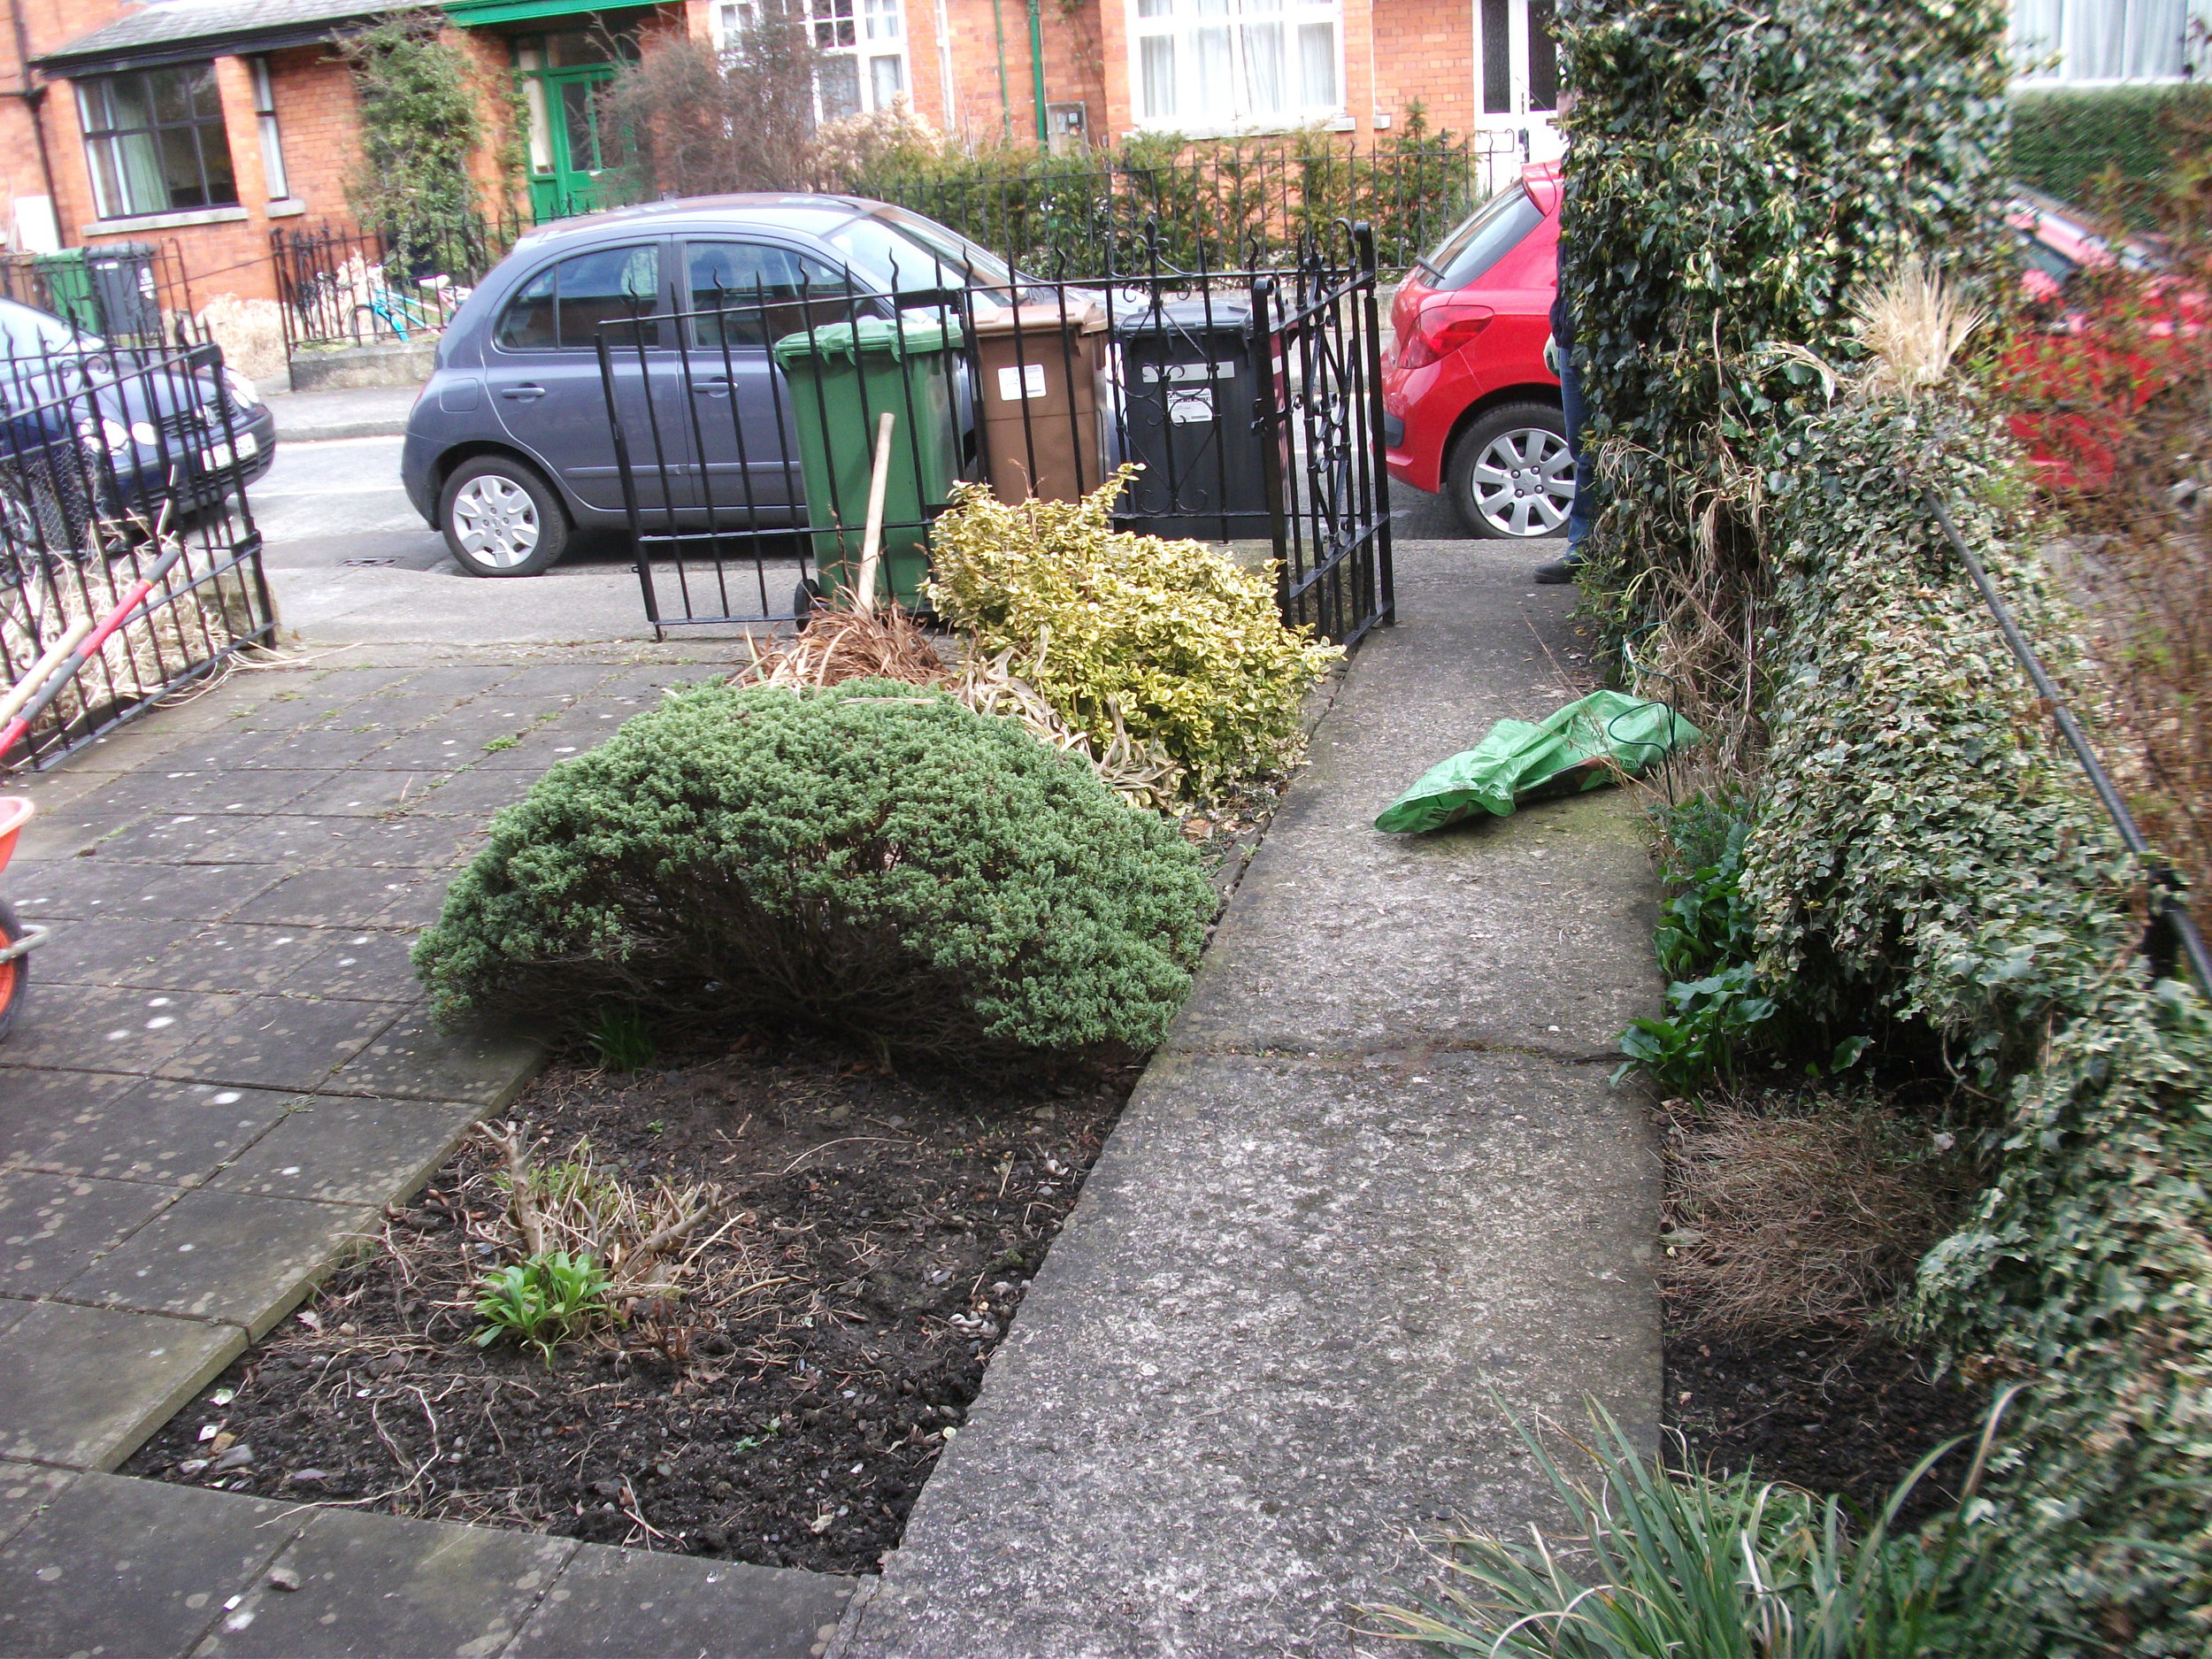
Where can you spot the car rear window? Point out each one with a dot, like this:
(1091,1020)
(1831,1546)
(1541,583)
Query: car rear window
(1494,231)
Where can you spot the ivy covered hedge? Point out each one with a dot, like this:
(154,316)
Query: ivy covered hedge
(1923,861)
(2064,141)
(1736,172)
(1925,851)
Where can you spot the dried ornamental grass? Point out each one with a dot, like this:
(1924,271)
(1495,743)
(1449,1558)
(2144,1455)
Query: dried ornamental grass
(1799,1215)
(842,645)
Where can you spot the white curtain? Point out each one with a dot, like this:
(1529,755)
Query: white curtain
(1264,68)
(2060,41)
(1317,65)
(1159,77)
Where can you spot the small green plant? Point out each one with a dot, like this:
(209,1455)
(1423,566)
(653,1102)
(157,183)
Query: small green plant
(499,743)
(542,1300)
(621,1039)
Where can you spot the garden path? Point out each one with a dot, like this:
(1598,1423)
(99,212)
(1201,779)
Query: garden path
(223,1074)
(1373,1195)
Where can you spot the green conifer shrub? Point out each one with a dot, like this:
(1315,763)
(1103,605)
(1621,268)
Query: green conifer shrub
(871,860)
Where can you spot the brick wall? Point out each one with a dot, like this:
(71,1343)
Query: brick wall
(1073,64)
(1425,50)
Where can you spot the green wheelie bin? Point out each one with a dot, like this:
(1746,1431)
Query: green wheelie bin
(842,377)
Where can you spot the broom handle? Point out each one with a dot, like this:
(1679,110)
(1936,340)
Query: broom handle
(871,542)
(43,670)
(132,598)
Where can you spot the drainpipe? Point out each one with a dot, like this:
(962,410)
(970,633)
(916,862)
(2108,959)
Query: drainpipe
(1037,68)
(34,106)
(1005,110)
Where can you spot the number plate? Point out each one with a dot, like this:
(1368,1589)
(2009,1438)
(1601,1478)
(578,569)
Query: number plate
(222,455)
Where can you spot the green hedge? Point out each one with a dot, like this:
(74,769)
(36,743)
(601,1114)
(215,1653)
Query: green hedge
(2064,141)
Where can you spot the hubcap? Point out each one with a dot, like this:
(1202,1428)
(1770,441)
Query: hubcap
(495,521)
(1524,482)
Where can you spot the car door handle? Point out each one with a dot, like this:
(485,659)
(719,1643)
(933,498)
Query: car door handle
(712,388)
(522,393)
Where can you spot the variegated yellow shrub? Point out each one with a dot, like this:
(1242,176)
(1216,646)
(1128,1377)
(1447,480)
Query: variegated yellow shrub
(1189,650)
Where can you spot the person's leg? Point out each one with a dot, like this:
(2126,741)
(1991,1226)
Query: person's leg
(1562,570)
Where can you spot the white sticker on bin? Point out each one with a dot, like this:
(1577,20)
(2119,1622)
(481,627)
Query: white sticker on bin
(1016,383)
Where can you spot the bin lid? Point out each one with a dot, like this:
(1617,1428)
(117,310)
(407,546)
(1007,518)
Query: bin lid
(909,335)
(1081,313)
(1223,313)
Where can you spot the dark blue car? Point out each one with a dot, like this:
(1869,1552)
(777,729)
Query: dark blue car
(99,442)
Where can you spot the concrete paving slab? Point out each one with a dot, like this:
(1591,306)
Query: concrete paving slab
(198,893)
(420,904)
(79,888)
(413,1060)
(231,1257)
(286,839)
(1272,1330)
(83,1387)
(476,792)
(322,748)
(98,1029)
(132,1568)
(13,1310)
(364,793)
(244,957)
(340,1149)
(325,898)
(52,1227)
(132,1129)
(373,1586)
(114,952)
(275,1042)
(363,965)
(168,838)
(25,1489)
(71,834)
(636,1604)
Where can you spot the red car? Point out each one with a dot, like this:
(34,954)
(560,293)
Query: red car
(1469,407)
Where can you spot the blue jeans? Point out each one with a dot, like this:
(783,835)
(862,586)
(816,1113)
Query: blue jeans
(1578,517)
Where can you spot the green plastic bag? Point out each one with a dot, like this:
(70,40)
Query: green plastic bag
(1576,749)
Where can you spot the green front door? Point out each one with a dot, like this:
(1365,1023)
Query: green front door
(560,76)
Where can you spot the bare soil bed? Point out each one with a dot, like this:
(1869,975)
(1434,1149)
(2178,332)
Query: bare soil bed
(1839,1409)
(875,1236)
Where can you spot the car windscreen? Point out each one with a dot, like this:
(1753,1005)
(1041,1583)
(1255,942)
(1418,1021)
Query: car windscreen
(1494,230)
(26,333)
(902,253)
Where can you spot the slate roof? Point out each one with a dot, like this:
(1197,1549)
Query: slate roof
(177,30)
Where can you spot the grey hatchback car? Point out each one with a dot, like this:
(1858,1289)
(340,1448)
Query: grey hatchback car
(509,447)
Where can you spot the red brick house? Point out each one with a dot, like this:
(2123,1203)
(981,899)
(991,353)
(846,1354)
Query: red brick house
(206,122)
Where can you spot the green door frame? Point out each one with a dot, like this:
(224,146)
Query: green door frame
(572,120)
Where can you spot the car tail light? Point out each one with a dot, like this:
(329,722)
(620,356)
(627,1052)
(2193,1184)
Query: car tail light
(1439,330)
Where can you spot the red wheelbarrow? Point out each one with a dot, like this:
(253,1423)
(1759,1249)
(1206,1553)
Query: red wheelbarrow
(18,939)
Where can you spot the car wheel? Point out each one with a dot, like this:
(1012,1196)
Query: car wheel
(501,519)
(1510,475)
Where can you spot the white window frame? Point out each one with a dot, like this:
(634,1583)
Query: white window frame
(2077,20)
(877,28)
(275,180)
(1181,22)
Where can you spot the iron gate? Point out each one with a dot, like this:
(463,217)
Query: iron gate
(745,416)
(110,462)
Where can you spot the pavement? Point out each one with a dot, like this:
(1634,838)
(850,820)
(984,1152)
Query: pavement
(1373,1199)
(223,1073)
(368,411)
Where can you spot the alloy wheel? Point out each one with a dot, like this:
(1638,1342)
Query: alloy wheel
(1524,482)
(495,521)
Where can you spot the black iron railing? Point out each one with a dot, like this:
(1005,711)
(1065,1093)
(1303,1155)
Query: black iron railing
(2171,934)
(337,286)
(132,293)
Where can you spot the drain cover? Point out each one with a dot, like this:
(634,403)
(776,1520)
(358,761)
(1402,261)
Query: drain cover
(365,563)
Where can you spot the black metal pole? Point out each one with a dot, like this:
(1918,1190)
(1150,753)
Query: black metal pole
(2167,909)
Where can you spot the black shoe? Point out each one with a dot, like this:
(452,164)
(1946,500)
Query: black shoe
(1559,572)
